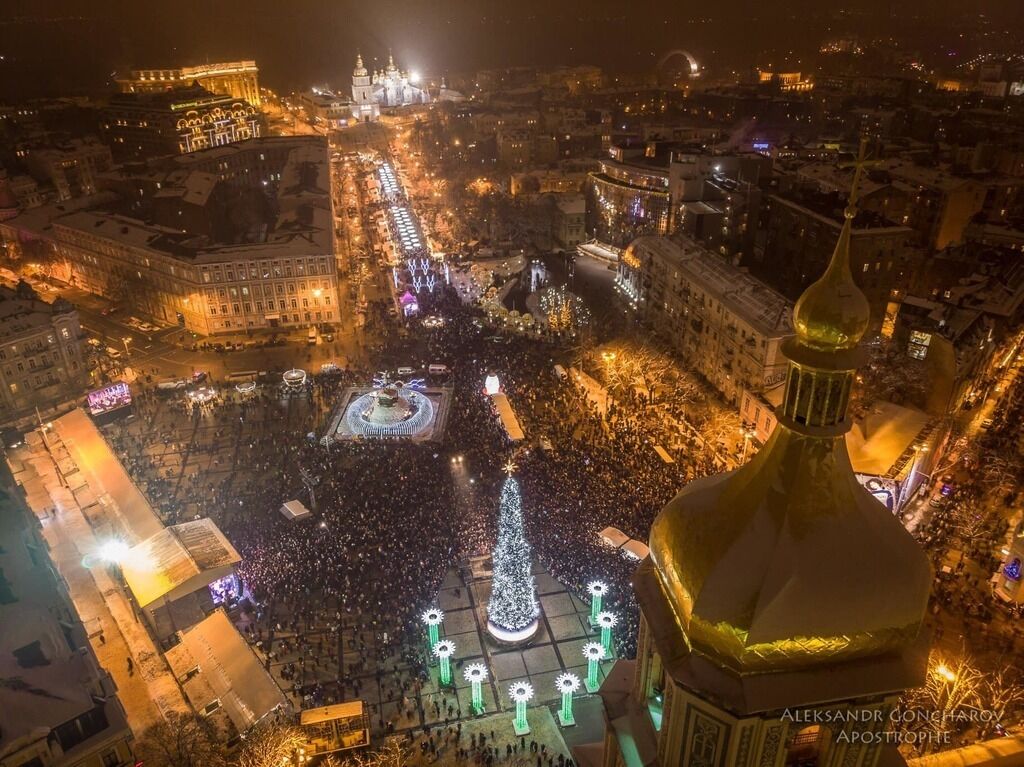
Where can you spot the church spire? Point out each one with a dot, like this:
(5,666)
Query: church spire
(360,70)
(833,313)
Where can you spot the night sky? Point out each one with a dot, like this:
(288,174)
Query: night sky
(72,46)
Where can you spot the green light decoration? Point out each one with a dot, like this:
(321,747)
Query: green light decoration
(597,590)
(521,693)
(607,621)
(475,674)
(444,650)
(433,618)
(594,653)
(567,684)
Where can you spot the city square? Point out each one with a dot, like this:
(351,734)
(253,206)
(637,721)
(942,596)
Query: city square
(540,406)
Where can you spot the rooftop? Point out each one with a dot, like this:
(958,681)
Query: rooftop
(298,211)
(764,309)
(22,311)
(51,677)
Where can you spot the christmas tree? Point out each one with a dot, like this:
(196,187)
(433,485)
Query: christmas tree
(512,612)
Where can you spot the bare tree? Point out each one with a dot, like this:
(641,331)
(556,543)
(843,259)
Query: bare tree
(270,745)
(952,687)
(391,754)
(182,740)
(720,427)
(1002,694)
(970,518)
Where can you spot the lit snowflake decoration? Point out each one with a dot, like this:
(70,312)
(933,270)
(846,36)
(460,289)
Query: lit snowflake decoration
(444,649)
(567,682)
(607,620)
(597,588)
(593,651)
(520,691)
(476,672)
(433,617)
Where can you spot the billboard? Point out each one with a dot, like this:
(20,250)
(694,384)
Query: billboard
(113,397)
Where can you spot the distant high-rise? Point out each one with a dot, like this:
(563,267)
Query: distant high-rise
(238,79)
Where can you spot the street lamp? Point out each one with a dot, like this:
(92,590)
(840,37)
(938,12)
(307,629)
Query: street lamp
(126,340)
(597,590)
(114,551)
(594,653)
(748,432)
(945,672)
(444,650)
(521,693)
(475,674)
(566,684)
(433,618)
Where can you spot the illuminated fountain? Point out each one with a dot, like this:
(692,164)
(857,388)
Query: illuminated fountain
(394,410)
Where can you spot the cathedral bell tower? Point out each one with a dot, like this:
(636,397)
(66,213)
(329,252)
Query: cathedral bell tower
(781,605)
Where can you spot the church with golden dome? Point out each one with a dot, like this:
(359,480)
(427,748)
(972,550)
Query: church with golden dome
(782,606)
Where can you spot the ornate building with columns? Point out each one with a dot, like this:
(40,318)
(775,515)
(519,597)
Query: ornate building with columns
(781,606)
(389,87)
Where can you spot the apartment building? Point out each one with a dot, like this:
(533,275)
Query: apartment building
(724,323)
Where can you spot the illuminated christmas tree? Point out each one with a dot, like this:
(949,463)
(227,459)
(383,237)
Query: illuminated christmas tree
(512,612)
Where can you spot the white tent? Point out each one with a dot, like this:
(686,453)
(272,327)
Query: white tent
(635,549)
(508,417)
(663,454)
(613,536)
(294,510)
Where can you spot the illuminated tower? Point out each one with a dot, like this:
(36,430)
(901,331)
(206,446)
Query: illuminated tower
(364,106)
(782,590)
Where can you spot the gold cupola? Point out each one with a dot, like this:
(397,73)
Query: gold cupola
(787,563)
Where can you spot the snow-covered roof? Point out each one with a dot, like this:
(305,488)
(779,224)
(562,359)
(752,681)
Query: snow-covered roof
(177,561)
(228,672)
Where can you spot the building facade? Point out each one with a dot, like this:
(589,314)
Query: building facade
(143,125)
(279,271)
(70,168)
(726,325)
(628,199)
(42,362)
(238,79)
(64,710)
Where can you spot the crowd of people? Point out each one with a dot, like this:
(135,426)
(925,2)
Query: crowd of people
(332,604)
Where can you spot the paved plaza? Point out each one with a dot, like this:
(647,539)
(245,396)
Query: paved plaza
(557,647)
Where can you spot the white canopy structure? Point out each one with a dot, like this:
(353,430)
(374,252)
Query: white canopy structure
(293,510)
(177,561)
(613,536)
(508,417)
(630,547)
(217,669)
(635,549)
(663,454)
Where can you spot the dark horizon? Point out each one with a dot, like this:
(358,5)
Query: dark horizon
(58,47)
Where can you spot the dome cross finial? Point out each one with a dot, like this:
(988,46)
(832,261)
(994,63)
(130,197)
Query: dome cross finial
(858,165)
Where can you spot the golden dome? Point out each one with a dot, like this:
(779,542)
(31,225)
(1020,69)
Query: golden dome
(833,313)
(788,562)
